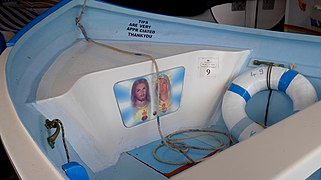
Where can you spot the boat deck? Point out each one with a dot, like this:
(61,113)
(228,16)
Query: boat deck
(140,161)
(145,153)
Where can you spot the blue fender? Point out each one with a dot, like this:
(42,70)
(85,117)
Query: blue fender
(75,171)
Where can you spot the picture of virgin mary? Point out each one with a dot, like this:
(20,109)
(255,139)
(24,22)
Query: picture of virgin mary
(165,97)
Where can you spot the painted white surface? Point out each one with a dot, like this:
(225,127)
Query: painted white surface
(269,18)
(236,18)
(28,159)
(90,113)
(263,19)
(290,150)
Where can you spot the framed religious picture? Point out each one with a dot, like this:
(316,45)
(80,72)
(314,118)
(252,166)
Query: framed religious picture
(137,97)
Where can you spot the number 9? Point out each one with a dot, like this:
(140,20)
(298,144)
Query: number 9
(208,71)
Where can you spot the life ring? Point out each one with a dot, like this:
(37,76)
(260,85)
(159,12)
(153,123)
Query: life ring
(245,86)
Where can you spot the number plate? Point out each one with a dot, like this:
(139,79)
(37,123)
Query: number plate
(208,66)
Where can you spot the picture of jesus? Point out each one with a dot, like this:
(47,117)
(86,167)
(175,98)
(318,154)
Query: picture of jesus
(140,99)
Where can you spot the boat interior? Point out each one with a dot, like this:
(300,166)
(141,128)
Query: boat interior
(57,73)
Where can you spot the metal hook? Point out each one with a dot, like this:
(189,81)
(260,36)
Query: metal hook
(49,125)
(257,62)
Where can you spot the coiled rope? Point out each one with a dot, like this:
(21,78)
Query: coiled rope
(174,144)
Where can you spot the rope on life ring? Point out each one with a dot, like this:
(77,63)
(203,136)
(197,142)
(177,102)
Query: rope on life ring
(245,86)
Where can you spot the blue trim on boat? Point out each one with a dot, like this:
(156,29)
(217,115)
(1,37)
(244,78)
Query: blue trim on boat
(240,91)
(14,39)
(286,79)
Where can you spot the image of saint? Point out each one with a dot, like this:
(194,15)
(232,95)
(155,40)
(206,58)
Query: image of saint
(140,98)
(165,97)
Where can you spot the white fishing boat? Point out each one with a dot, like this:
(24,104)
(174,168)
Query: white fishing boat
(90,90)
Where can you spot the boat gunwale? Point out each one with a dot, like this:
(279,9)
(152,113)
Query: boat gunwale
(129,11)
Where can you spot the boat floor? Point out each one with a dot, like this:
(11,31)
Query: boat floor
(145,153)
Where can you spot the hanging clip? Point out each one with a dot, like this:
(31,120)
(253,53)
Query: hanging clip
(49,125)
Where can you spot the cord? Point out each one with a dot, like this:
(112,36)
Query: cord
(268,84)
(175,144)
(64,140)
